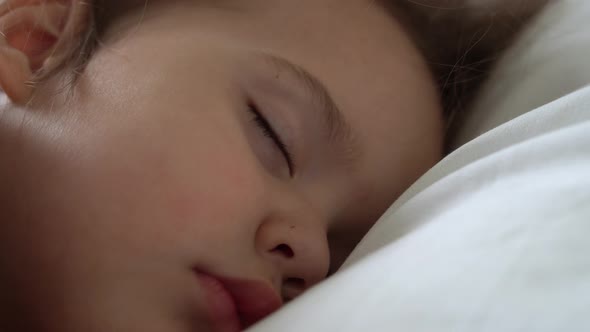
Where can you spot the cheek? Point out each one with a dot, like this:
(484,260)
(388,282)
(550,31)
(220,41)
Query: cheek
(150,189)
(211,195)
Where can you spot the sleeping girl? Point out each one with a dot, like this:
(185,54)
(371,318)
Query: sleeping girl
(172,166)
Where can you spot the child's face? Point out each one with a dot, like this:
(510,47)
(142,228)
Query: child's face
(157,174)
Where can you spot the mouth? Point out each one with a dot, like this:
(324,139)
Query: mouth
(236,304)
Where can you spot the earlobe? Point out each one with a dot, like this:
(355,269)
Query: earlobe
(15,73)
(36,36)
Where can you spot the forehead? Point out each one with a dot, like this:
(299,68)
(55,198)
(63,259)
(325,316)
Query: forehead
(345,43)
(355,47)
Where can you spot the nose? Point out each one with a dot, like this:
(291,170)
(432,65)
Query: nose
(298,249)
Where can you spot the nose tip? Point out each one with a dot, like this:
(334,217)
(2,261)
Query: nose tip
(299,253)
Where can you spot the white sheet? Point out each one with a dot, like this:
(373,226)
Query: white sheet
(497,236)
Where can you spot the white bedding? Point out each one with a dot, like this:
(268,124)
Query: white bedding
(497,236)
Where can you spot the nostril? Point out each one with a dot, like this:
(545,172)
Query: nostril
(284,250)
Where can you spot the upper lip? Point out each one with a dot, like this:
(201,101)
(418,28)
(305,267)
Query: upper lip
(253,299)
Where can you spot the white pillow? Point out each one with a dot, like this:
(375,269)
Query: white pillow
(495,237)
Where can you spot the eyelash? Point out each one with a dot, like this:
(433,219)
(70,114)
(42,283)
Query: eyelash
(269,132)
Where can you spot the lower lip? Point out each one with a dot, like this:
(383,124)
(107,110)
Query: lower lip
(221,307)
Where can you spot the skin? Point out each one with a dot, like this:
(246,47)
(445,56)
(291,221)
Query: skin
(152,166)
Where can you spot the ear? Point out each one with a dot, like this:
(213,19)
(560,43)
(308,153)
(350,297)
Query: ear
(37,36)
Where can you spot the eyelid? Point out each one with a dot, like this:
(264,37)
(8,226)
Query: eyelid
(272,134)
(334,124)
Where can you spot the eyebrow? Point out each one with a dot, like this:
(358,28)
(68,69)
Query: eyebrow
(338,129)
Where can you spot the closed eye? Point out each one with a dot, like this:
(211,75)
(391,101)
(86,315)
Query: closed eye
(268,131)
